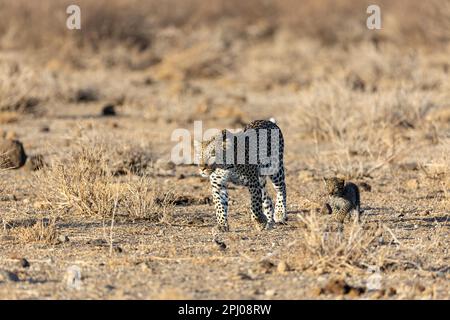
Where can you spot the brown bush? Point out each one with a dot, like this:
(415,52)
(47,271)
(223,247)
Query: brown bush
(85,184)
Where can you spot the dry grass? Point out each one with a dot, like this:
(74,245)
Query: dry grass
(42,231)
(85,184)
(82,185)
(322,248)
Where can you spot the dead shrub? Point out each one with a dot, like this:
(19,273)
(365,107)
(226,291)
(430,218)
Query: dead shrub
(43,230)
(82,184)
(144,200)
(131,159)
(85,184)
(322,249)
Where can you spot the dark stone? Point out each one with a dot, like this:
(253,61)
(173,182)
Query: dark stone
(109,110)
(12,154)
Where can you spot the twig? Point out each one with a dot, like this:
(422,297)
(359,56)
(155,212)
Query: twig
(392,234)
(116,200)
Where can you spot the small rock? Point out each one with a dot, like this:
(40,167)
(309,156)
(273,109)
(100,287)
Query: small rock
(12,154)
(269,293)
(24,263)
(283,267)
(109,110)
(63,238)
(8,276)
(73,277)
(118,249)
(412,184)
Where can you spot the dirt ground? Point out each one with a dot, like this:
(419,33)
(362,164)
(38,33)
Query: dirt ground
(376,114)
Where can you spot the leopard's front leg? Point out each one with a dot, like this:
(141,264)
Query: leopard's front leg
(220,198)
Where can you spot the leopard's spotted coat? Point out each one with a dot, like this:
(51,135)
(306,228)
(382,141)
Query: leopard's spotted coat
(248,173)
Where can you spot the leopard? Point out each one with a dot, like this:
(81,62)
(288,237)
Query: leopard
(243,159)
(343,199)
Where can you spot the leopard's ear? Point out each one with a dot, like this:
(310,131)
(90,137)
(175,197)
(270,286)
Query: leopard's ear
(227,139)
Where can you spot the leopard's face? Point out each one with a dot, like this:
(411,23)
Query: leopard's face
(206,155)
(334,186)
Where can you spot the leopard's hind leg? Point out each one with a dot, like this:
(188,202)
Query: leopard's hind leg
(278,181)
(266,203)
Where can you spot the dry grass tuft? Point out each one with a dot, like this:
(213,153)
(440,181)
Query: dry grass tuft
(82,184)
(43,231)
(326,250)
(144,200)
(85,184)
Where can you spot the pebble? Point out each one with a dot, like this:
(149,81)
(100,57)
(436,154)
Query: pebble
(24,263)
(73,277)
(8,276)
(109,110)
(270,293)
(63,238)
(283,267)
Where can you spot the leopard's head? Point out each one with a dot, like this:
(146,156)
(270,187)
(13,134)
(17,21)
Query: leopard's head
(334,186)
(206,152)
(206,156)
